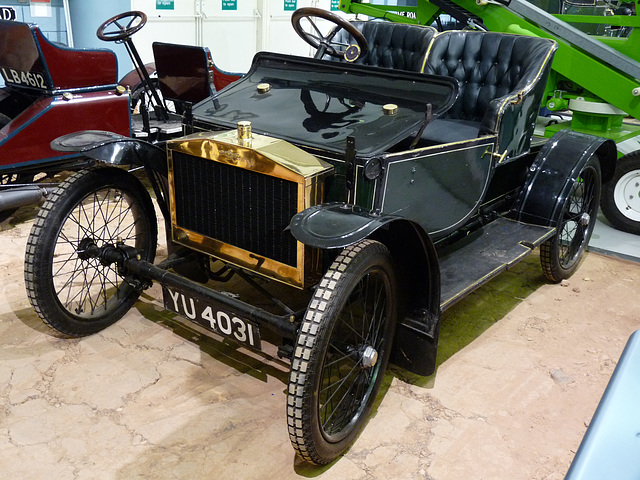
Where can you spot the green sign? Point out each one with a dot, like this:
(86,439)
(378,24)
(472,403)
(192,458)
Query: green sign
(229,4)
(165,4)
(335,5)
(290,5)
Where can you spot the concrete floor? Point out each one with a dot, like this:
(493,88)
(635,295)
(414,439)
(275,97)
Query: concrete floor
(606,239)
(522,367)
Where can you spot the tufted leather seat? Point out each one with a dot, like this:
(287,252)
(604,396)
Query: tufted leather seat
(502,79)
(391,45)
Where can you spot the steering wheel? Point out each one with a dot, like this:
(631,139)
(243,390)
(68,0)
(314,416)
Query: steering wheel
(126,24)
(325,44)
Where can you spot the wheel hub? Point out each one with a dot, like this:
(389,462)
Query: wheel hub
(585,219)
(369,357)
(87,249)
(627,195)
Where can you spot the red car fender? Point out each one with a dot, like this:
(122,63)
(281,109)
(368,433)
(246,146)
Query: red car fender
(132,79)
(27,137)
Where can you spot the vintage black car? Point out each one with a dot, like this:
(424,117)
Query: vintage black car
(383,181)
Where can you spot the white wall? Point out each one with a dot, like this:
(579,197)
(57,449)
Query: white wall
(233,36)
(174,26)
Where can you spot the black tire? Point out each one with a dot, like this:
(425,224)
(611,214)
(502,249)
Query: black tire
(621,195)
(341,352)
(72,291)
(561,254)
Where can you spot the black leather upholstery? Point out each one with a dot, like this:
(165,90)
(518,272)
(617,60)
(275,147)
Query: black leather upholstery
(391,45)
(499,75)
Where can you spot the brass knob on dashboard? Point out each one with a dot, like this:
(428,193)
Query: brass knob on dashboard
(390,109)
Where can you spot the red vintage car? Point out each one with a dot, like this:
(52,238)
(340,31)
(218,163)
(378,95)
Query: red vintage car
(52,90)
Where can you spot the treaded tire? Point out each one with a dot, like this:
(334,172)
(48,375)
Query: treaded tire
(561,254)
(341,352)
(71,290)
(621,195)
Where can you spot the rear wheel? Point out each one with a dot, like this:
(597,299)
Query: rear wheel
(561,254)
(621,195)
(71,288)
(341,353)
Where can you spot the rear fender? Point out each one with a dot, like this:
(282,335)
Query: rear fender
(554,171)
(134,80)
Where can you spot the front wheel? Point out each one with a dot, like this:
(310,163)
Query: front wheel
(621,195)
(69,286)
(561,254)
(342,351)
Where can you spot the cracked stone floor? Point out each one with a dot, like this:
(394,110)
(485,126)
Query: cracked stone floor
(522,367)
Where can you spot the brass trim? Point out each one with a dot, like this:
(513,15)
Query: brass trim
(390,109)
(244,130)
(267,156)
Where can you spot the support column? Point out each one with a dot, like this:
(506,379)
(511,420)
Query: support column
(87,16)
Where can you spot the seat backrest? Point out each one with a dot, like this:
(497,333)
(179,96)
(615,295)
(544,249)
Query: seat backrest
(501,76)
(391,45)
(29,60)
(488,65)
(183,71)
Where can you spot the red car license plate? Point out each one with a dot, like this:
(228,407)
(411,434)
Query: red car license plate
(220,320)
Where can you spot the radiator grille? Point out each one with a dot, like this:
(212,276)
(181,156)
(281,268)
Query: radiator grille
(239,207)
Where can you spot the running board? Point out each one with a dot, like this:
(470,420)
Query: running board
(491,250)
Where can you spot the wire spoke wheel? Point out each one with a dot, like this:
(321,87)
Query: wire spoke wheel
(349,372)
(561,254)
(70,286)
(83,284)
(342,351)
(576,218)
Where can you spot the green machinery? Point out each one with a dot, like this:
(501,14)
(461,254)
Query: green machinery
(594,86)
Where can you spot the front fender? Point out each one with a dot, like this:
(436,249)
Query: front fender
(114,149)
(554,171)
(335,225)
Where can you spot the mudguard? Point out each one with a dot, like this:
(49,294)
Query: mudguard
(555,170)
(133,79)
(113,149)
(335,225)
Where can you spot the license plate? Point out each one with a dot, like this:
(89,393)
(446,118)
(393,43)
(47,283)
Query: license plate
(218,319)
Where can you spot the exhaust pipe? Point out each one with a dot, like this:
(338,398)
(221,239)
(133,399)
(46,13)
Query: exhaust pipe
(12,198)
